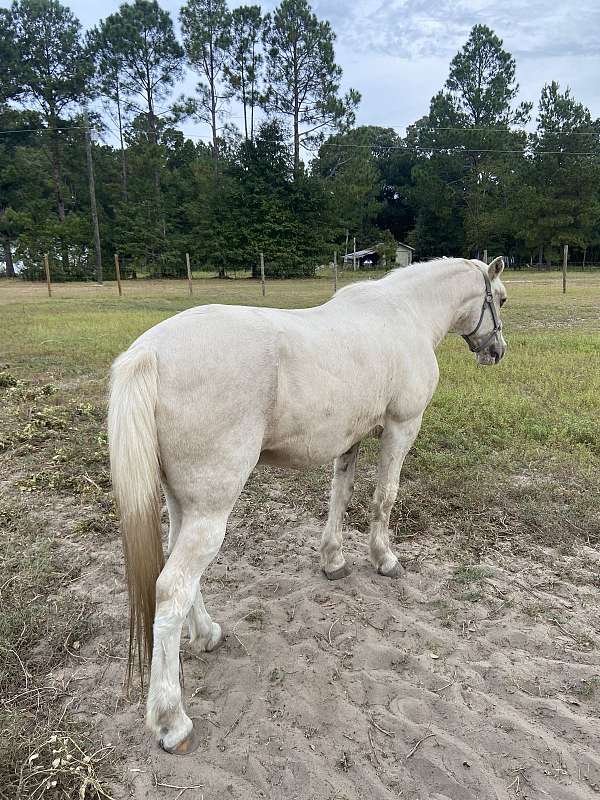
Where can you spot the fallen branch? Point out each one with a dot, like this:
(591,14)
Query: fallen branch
(383,730)
(234,723)
(242,645)
(373,748)
(446,685)
(560,627)
(418,744)
(182,789)
(330,629)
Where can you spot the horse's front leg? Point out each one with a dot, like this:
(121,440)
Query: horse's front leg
(333,562)
(396,441)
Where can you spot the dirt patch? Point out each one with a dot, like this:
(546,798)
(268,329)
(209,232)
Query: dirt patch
(453,682)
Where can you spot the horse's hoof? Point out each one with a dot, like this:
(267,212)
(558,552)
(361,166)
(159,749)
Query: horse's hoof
(216,640)
(395,572)
(185,747)
(336,574)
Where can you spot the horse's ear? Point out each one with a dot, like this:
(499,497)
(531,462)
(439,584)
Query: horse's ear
(495,267)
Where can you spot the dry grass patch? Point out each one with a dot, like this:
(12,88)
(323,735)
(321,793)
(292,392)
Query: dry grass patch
(43,753)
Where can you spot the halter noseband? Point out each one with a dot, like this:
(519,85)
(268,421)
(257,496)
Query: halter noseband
(488,302)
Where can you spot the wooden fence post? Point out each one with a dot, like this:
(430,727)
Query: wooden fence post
(334,271)
(262,274)
(354,253)
(47,268)
(118,274)
(564,270)
(189,272)
(485,256)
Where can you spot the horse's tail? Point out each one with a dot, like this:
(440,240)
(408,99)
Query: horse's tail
(135,467)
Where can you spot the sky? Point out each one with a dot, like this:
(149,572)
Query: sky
(397,52)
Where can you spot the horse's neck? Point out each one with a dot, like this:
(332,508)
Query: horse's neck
(438,293)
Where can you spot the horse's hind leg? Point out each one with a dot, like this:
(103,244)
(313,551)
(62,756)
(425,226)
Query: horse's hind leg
(396,441)
(205,634)
(175,515)
(177,589)
(333,562)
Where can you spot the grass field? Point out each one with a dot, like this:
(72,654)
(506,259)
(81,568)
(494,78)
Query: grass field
(507,463)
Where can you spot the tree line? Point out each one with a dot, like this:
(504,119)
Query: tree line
(294,179)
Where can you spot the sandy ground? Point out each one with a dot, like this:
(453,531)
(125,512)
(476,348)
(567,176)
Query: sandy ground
(362,688)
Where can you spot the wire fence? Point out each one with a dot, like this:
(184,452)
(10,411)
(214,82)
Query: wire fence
(49,269)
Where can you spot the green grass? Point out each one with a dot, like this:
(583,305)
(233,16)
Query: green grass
(542,403)
(540,407)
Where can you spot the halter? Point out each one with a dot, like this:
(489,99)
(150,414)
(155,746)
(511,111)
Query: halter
(488,302)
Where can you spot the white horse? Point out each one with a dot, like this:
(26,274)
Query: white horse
(201,398)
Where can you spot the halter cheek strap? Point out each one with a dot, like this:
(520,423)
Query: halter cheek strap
(488,302)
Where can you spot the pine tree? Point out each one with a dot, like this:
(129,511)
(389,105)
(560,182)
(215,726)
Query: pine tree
(102,43)
(565,174)
(139,41)
(245,61)
(468,145)
(303,79)
(206,34)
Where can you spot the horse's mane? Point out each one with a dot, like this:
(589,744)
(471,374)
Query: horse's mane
(393,274)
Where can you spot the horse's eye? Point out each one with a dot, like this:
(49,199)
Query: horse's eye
(502,301)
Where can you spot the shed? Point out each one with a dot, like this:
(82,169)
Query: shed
(370,257)
(404,254)
(364,258)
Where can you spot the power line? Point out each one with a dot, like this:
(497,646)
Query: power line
(453,150)
(43,130)
(490,130)
(509,130)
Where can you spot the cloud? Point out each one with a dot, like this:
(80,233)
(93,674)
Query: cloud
(422,28)
(397,52)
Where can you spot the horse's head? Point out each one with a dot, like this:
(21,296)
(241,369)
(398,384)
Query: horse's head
(482,324)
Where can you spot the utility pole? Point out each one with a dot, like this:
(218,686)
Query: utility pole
(94,209)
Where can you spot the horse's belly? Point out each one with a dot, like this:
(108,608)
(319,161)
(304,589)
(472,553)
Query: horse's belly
(312,445)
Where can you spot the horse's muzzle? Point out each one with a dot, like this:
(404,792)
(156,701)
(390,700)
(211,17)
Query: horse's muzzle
(497,353)
(493,354)
(498,350)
